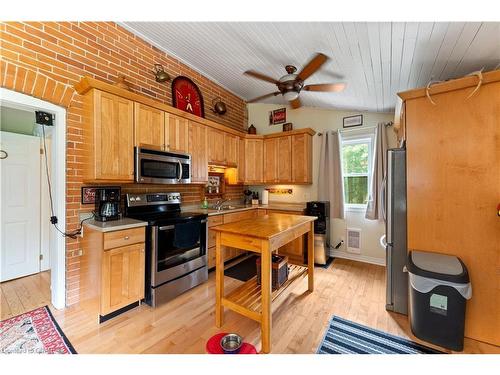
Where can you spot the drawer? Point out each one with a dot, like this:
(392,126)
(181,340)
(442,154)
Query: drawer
(123,237)
(237,216)
(270,212)
(215,220)
(211,238)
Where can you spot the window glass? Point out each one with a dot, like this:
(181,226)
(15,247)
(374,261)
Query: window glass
(356,168)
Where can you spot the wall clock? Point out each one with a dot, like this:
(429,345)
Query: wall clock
(187,96)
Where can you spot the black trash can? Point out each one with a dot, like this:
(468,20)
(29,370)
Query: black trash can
(439,288)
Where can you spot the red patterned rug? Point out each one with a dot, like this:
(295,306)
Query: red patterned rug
(33,332)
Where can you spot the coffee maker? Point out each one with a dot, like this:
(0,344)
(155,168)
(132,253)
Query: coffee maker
(107,203)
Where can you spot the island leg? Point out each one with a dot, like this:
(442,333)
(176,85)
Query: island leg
(310,257)
(265,324)
(219,282)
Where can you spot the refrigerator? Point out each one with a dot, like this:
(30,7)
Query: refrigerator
(395,231)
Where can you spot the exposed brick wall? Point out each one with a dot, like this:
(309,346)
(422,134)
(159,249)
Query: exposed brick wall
(45,60)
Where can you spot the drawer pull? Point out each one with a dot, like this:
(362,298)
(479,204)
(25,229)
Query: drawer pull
(126,237)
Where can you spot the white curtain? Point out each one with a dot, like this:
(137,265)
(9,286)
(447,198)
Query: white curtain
(331,187)
(374,209)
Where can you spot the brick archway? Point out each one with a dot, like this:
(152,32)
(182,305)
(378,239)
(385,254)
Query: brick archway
(38,85)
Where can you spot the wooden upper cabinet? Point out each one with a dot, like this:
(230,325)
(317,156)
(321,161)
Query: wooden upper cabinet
(215,146)
(149,126)
(176,133)
(284,159)
(301,144)
(278,159)
(271,160)
(241,160)
(197,147)
(231,149)
(254,160)
(113,142)
(122,277)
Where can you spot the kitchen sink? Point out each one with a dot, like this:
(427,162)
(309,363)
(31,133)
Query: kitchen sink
(226,208)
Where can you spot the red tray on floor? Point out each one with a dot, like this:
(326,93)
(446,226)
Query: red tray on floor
(213,346)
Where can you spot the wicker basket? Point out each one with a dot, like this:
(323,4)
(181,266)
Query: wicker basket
(279,273)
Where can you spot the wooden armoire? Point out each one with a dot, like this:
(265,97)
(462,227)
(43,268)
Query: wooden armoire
(453,186)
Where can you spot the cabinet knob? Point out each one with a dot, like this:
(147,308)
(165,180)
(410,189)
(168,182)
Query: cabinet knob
(142,250)
(126,237)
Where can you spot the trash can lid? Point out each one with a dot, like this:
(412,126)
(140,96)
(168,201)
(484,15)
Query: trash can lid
(437,266)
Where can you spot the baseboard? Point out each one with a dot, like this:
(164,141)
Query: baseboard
(358,257)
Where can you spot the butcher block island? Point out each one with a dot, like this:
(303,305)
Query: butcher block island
(263,235)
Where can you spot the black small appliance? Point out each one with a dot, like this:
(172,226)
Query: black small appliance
(107,203)
(320,209)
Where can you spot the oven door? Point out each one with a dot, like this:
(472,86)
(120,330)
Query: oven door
(158,167)
(177,250)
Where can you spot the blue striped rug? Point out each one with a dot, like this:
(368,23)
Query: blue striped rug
(346,337)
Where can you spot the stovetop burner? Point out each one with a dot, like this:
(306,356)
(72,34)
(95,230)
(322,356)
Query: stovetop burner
(159,209)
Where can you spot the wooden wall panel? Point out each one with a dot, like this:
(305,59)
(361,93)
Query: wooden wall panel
(453,156)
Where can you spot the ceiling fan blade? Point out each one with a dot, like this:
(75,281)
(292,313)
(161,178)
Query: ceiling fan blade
(296,103)
(260,76)
(312,66)
(326,87)
(263,97)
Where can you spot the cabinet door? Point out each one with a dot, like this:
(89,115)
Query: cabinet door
(176,133)
(122,277)
(197,147)
(301,159)
(215,146)
(113,137)
(149,126)
(271,160)
(241,160)
(284,159)
(254,149)
(231,149)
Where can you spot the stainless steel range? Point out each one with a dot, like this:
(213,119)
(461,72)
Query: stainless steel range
(176,245)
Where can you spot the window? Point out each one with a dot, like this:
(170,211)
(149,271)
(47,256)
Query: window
(357,170)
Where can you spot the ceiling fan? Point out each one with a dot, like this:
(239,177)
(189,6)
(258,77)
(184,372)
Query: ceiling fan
(291,84)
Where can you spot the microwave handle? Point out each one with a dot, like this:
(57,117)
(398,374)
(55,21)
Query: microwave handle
(180,170)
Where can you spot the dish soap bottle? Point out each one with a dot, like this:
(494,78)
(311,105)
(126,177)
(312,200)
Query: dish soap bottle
(204,204)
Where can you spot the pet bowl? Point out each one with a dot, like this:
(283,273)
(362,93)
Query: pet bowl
(231,343)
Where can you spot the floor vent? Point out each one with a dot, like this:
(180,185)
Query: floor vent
(354,240)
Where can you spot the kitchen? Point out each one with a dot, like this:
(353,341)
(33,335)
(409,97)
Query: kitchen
(174,197)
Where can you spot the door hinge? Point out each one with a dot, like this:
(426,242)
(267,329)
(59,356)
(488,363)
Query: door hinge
(41,256)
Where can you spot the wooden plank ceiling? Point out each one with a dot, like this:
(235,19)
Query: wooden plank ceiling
(375,60)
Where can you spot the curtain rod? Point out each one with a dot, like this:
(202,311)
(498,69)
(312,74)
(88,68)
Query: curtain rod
(390,123)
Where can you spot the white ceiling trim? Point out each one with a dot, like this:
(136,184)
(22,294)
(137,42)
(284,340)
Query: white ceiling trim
(174,55)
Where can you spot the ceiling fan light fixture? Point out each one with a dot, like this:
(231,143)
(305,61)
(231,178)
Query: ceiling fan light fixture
(290,95)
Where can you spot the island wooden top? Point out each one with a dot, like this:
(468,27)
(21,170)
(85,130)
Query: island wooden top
(265,227)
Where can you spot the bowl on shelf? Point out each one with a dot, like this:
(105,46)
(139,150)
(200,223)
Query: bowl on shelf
(231,343)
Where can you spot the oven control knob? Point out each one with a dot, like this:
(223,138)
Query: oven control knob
(138,199)
(132,199)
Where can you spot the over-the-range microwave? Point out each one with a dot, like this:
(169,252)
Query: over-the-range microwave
(161,167)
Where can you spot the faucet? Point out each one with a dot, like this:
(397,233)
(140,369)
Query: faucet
(218,204)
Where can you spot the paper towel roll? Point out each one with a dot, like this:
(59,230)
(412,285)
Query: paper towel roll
(265,197)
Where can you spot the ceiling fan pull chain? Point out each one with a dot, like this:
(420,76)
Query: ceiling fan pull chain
(479,75)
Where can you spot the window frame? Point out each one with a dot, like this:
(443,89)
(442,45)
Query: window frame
(353,139)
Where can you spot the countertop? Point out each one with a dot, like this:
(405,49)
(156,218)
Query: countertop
(240,207)
(110,226)
(264,227)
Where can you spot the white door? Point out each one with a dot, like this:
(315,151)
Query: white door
(19,205)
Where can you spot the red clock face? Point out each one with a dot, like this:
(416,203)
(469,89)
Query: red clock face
(187,97)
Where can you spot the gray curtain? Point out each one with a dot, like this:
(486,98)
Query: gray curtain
(374,209)
(330,183)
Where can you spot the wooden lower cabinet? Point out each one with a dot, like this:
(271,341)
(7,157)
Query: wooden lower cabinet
(122,277)
(112,269)
(229,252)
(295,250)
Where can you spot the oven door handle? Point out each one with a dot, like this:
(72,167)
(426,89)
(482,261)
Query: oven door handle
(166,227)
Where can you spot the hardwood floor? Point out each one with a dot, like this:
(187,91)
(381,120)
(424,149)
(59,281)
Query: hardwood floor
(349,289)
